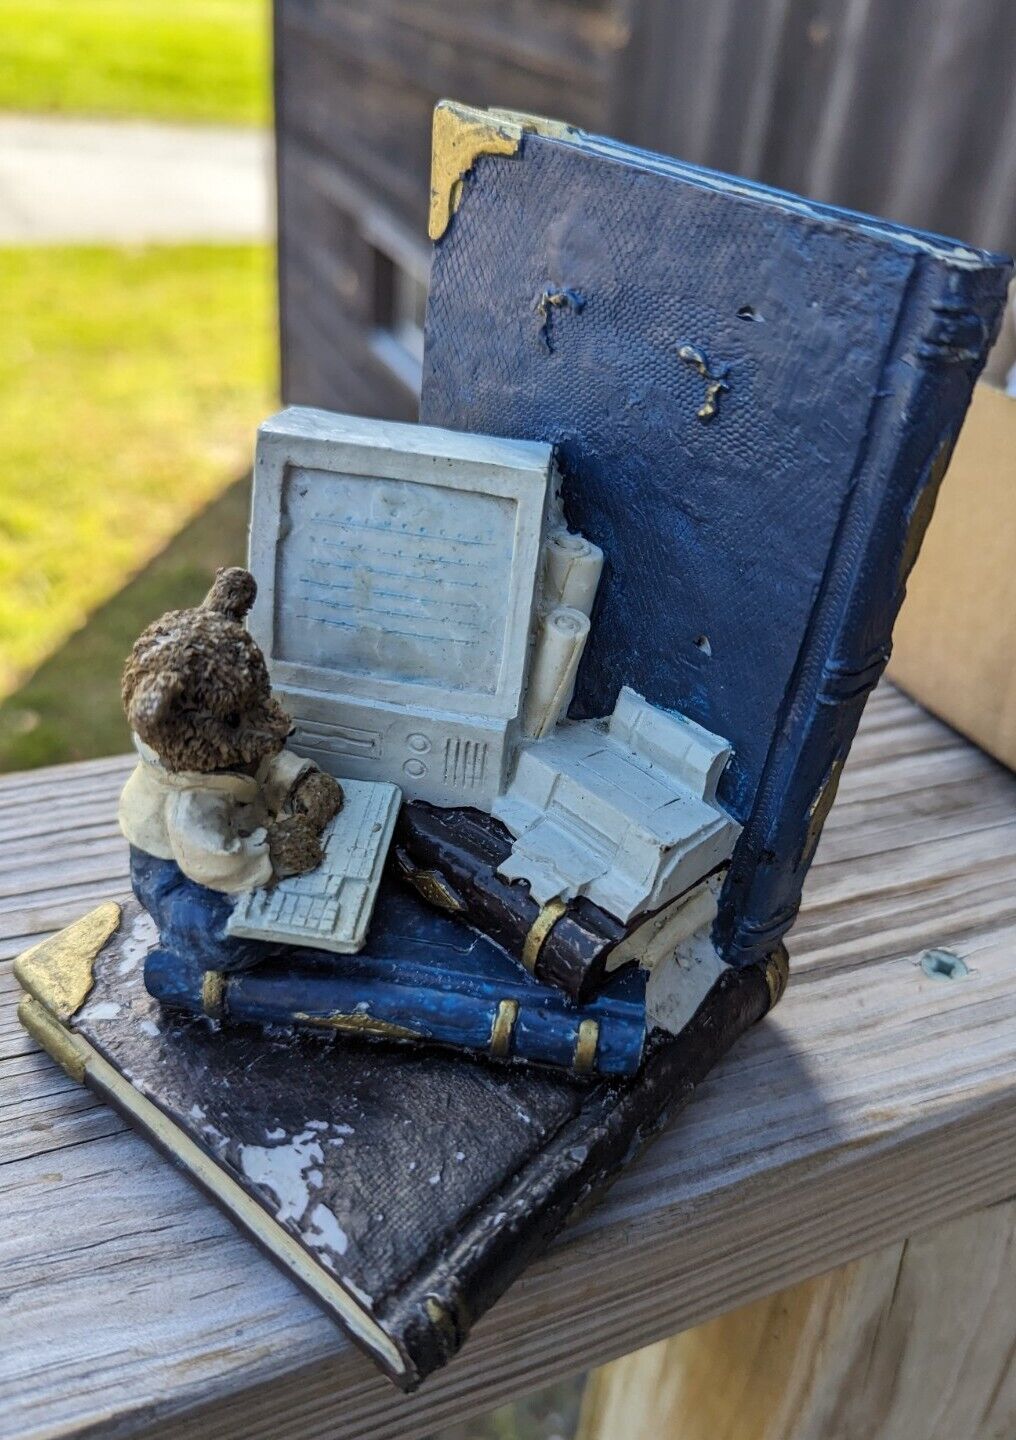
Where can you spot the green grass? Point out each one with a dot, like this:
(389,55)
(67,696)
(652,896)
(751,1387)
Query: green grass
(69,709)
(195,60)
(131,384)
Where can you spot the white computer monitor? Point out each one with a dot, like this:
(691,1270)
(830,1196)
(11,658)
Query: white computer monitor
(398,571)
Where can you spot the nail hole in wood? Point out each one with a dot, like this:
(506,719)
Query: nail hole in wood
(943,965)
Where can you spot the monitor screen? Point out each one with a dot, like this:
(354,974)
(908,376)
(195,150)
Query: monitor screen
(399,572)
(399,580)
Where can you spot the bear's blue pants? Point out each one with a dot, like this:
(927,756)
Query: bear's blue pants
(192,931)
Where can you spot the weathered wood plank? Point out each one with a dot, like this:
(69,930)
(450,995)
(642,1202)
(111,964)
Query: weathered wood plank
(876,1101)
(535,49)
(913,1342)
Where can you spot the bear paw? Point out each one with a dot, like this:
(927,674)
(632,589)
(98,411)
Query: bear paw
(294,846)
(318,796)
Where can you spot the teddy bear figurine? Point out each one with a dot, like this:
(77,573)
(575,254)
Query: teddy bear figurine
(216,805)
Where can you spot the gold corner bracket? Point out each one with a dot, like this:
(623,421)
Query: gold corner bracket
(58,972)
(461,135)
(69,1052)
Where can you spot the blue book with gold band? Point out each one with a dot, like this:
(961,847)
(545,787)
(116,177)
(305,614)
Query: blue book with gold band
(421,977)
(753,398)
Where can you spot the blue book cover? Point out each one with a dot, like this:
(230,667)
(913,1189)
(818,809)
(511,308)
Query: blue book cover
(422,976)
(753,397)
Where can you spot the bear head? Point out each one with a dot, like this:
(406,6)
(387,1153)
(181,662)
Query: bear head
(196,688)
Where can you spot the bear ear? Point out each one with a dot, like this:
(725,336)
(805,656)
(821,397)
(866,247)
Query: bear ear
(233,593)
(152,702)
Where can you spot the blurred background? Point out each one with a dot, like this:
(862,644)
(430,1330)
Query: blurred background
(143,333)
(148,320)
(137,336)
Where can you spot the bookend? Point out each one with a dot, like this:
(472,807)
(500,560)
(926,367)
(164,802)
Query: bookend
(499,805)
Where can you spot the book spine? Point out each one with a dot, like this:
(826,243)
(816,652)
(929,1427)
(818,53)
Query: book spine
(500,1021)
(948,320)
(450,857)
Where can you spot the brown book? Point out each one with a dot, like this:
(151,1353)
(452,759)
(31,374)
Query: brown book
(451,858)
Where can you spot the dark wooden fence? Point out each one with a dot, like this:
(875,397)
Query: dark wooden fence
(905,108)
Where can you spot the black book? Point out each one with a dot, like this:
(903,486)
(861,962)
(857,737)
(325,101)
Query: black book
(327,1153)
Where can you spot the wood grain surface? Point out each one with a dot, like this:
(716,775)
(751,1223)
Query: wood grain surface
(912,1342)
(875,1103)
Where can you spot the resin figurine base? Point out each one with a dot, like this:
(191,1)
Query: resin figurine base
(328,1153)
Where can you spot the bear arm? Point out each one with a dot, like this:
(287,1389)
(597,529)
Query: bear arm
(202,829)
(279,775)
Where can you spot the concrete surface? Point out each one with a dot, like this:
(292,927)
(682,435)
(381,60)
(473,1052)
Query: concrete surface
(79,181)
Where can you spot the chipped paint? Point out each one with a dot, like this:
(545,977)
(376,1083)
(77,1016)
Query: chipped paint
(101,1010)
(549,301)
(137,942)
(325,1232)
(283,1170)
(715,383)
(358,1022)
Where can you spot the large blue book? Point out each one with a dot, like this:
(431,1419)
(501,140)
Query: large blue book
(754,399)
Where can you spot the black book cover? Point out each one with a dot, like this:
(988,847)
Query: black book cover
(327,1152)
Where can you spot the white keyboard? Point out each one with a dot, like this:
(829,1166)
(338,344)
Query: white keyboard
(330,908)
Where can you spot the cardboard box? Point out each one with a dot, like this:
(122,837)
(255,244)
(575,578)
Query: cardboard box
(954,646)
